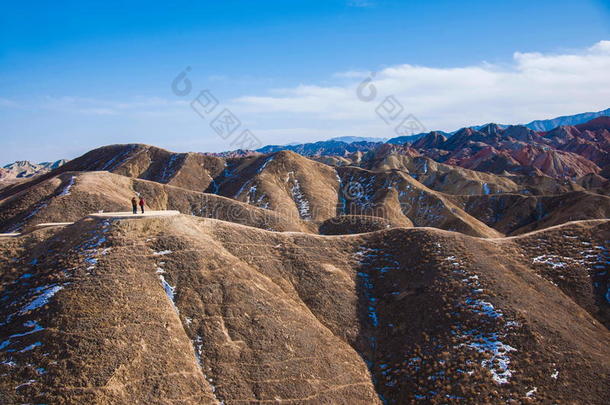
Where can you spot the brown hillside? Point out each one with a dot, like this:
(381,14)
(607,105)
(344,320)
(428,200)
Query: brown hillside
(451,179)
(192,171)
(350,224)
(71,196)
(446,178)
(193,310)
(301,190)
(396,196)
(517,213)
(290,184)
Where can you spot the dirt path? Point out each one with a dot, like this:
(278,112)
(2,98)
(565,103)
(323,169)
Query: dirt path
(147,214)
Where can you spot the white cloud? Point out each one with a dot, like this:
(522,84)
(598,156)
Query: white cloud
(533,86)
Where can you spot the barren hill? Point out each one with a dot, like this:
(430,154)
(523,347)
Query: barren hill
(284,182)
(194,310)
(191,171)
(379,278)
(24,169)
(300,194)
(72,195)
(21,171)
(283,185)
(517,213)
(562,152)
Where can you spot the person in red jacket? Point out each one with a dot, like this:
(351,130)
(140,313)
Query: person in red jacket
(142,204)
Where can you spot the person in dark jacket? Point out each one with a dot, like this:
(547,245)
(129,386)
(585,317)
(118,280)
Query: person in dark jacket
(142,204)
(134,205)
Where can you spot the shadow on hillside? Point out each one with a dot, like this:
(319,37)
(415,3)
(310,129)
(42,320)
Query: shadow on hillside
(399,314)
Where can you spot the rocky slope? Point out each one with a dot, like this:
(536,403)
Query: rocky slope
(563,152)
(20,171)
(370,278)
(284,184)
(25,169)
(192,310)
(70,196)
(591,140)
(514,149)
(292,192)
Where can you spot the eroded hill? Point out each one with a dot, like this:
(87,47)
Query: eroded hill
(384,277)
(194,310)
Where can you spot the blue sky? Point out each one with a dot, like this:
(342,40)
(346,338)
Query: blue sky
(74,76)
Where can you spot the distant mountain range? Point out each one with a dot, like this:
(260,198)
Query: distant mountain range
(350,139)
(23,169)
(547,125)
(560,147)
(537,125)
(330,147)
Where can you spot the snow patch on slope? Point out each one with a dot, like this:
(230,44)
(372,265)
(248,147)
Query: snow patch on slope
(487,342)
(66,190)
(299,198)
(45,294)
